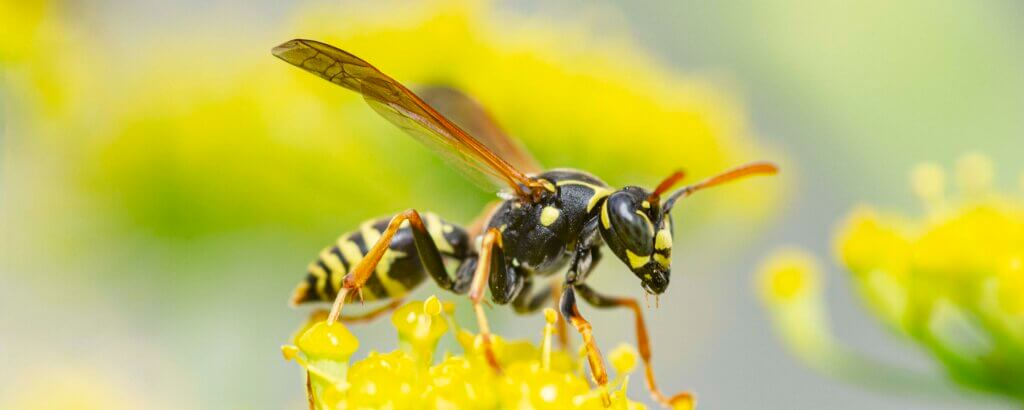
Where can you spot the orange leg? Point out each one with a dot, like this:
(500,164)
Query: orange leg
(560,326)
(360,273)
(490,242)
(642,340)
(320,314)
(373,314)
(597,371)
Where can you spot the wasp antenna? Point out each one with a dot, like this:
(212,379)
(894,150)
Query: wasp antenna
(666,184)
(753,168)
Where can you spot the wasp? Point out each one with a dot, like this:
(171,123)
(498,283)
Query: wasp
(546,222)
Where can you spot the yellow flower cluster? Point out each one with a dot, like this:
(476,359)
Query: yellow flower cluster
(534,377)
(951,280)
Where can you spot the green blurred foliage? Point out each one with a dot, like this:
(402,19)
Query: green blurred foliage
(204,137)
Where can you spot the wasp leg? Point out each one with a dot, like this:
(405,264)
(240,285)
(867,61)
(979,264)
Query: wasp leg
(560,327)
(373,314)
(425,247)
(643,342)
(528,302)
(368,316)
(491,258)
(597,371)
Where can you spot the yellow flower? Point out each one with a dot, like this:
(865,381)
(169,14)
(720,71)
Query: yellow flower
(788,276)
(952,280)
(409,378)
(790,285)
(61,385)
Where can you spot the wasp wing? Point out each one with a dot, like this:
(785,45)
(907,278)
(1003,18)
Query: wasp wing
(404,109)
(471,116)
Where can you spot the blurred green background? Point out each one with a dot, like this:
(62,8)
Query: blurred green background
(165,180)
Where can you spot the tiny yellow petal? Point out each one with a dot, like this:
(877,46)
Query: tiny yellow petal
(328,341)
(623,358)
(289,352)
(550,315)
(432,306)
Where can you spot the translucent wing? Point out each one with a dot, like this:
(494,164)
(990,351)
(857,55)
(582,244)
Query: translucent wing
(404,109)
(469,115)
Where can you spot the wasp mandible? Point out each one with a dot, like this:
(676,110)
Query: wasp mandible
(547,222)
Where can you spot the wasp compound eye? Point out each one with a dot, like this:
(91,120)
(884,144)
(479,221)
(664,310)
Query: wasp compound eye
(630,223)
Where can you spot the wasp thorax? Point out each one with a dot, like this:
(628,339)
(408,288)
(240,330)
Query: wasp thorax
(636,231)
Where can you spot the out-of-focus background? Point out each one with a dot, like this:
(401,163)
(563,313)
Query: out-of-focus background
(164,180)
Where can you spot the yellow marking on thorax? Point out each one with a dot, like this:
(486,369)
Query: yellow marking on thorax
(599,191)
(604,217)
(383,270)
(549,215)
(636,261)
(436,229)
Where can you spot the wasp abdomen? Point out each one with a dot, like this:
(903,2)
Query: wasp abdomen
(398,271)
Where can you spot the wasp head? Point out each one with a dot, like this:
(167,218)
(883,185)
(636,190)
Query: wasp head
(639,232)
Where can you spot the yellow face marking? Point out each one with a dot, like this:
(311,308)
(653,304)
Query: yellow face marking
(549,215)
(663,260)
(646,204)
(636,261)
(448,228)
(663,240)
(436,229)
(607,224)
(599,191)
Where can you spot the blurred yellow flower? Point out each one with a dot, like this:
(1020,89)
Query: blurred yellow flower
(66,386)
(951,280)
(788,276)
(205,134)
(408,378)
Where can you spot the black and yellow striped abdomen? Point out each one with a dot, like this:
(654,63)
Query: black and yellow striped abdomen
(399,270)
